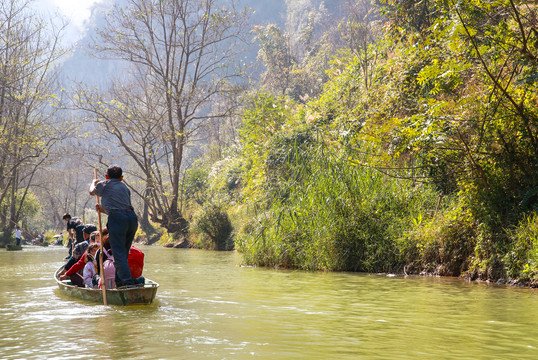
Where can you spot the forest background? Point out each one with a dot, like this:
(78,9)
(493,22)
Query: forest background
(379,136)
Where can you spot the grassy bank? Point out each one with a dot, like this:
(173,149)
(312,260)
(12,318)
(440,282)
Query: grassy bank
(422,159)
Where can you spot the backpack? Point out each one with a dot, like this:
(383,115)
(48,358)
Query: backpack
(109,271)
(136,262)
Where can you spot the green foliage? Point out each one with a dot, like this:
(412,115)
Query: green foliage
(418,155)
(295,65)
(522,259)
(286,154)
(5,239)
(335,216)
(28,207)
(29,125)
(48,238)
(213,227)
(414,16)
(166,237)
(441,245)
(194,184)
(225,180)
(458,110)
(261,122)
(275,53)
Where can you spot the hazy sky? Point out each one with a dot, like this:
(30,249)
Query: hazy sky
(76,11)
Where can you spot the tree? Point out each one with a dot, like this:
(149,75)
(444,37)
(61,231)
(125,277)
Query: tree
(275,53)
(414,16)
(296,60)
(360,31)
(460,105)
(132,115)
(187,52)
(28,128)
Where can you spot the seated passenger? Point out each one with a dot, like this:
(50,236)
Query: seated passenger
(95,237)
(75,265)
(135,260)
(90,268)
(88,229)
(106,245)
(108,262)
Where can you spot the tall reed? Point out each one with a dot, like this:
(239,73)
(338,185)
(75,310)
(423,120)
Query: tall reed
(327,213)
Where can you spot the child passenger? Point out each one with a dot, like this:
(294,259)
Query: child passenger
(95,237)
(90,269)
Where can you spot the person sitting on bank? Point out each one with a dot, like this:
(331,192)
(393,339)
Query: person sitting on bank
(90,268)
(122,221)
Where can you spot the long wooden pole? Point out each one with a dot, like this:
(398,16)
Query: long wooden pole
(103,282)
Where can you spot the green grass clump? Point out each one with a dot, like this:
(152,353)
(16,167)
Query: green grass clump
(522,260)
(335,216)
(212,227)
(441,245)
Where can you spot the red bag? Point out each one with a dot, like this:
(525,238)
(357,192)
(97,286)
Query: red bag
(136,262)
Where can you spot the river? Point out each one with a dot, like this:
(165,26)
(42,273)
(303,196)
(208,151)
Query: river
(208,307)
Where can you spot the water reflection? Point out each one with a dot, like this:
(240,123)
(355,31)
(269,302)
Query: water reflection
(209,308)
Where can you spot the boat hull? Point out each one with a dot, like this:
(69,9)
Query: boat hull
(11,247)
(139,295)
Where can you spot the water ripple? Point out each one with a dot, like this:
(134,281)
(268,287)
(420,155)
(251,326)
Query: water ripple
(209,308)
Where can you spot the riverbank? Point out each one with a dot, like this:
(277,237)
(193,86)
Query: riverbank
(468,276)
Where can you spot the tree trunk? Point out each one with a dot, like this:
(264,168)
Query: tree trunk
(145,224)
(174,222)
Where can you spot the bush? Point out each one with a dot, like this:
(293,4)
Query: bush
(194,184)
(522,259)
(443,245)
(166,237)
(336,216)
(213,225)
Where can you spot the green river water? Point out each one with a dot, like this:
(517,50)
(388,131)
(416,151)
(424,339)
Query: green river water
(208,307)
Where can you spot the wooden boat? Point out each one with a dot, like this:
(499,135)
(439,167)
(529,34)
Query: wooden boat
(139,295)
(13,247)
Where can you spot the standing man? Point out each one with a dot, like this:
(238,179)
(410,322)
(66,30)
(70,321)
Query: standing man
(18,235)
(122,221)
